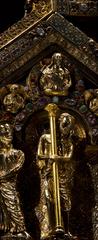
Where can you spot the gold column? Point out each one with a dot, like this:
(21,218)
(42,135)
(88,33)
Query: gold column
(52,111)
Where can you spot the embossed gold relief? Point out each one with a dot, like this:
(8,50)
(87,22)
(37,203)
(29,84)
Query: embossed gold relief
(37,89)
(57,165)
(91,97)
(56,79)
(72,122)
(94,104)
(54,86)
(15,100)
(11,161)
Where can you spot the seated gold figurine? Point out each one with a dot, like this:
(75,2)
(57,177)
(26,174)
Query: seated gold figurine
(11,160)
(56,79)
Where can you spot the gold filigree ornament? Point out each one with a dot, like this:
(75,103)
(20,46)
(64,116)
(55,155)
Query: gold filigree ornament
(41,8)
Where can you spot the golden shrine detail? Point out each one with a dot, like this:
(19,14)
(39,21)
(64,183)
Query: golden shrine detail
(49,125)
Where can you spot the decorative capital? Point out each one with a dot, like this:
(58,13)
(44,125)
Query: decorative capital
(52,109)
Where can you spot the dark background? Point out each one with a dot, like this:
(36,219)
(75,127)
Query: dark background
(10,12)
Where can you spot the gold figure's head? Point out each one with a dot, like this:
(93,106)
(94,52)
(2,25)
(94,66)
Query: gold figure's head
(67,122)
(57,59)
(5,134)
(55,79)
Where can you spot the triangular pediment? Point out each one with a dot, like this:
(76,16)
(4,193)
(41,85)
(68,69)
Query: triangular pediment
(23,50)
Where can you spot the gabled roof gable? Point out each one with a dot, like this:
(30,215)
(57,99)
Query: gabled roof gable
(23,50)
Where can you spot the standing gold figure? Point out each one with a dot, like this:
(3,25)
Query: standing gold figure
(11,160)
(45,207)
(66,166)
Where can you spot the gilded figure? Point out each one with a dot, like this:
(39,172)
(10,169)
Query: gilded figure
(15,99)
(56,79)
(91,98)
(11,161)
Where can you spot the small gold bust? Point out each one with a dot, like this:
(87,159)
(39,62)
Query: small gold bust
(56,79)
(14,100)
(91,98)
